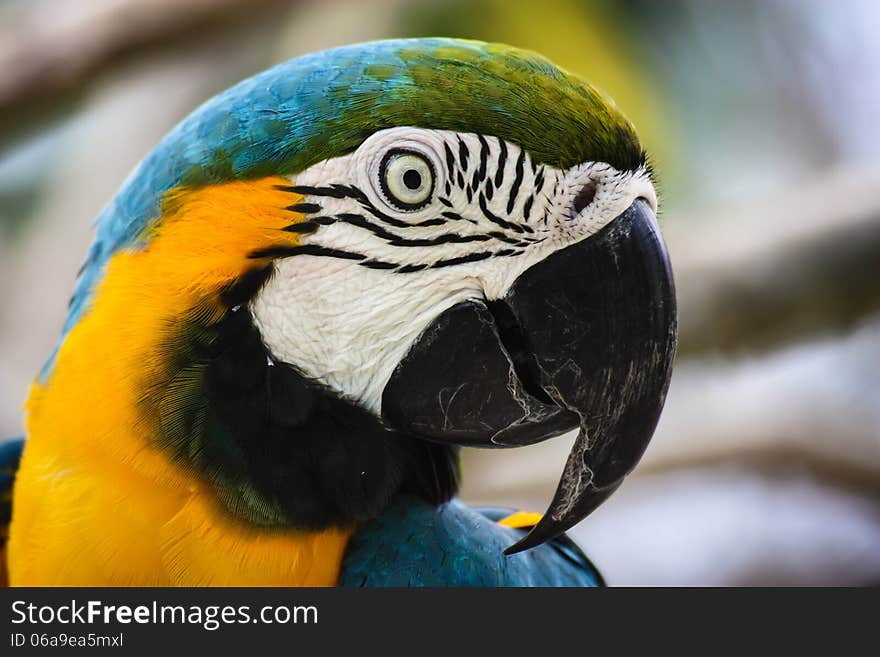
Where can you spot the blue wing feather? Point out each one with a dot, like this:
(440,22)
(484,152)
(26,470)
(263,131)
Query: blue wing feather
(414,544)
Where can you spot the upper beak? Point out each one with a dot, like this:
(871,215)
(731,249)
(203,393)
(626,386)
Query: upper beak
(584,338)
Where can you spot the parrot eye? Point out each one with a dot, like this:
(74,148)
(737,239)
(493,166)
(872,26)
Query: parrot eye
(406,179)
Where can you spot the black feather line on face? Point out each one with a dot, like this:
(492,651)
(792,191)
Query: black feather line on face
(378,264)
(397,223)
(502,162)
(450,159)
(484,208)
(539,180)
(332,191)
(278,448)
(463,154)
(517,181)
(284,251)
(484,158)
(303,228)
(454,216)
(527,208)
(409,269)
(304,208)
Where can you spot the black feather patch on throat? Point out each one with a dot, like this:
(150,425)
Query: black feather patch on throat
(279,448)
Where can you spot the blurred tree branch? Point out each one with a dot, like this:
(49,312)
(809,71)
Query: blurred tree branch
(768,272)
(57,47)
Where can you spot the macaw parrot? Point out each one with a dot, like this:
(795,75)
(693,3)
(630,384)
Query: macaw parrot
(313,292)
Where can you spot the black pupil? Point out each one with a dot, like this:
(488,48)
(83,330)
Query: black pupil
(412,179)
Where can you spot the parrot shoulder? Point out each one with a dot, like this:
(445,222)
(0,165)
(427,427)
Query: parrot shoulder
(415,544)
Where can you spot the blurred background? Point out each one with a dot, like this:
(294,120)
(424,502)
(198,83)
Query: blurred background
(763,118)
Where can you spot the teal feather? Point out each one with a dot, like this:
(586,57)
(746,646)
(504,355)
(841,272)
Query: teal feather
(414,544)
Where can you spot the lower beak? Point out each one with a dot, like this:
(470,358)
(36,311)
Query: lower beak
(583,339)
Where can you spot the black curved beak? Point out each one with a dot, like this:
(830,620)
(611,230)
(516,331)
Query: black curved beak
(584,339)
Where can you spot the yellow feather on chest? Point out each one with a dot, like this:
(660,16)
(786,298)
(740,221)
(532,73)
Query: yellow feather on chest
(96,502)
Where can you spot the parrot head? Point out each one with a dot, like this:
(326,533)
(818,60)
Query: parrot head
(365,258)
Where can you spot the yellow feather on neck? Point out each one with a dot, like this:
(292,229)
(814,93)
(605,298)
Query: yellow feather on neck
(95,501)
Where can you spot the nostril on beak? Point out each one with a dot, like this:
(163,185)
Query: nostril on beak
(584,197)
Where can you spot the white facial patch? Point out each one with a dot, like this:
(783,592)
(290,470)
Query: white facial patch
(410,224)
